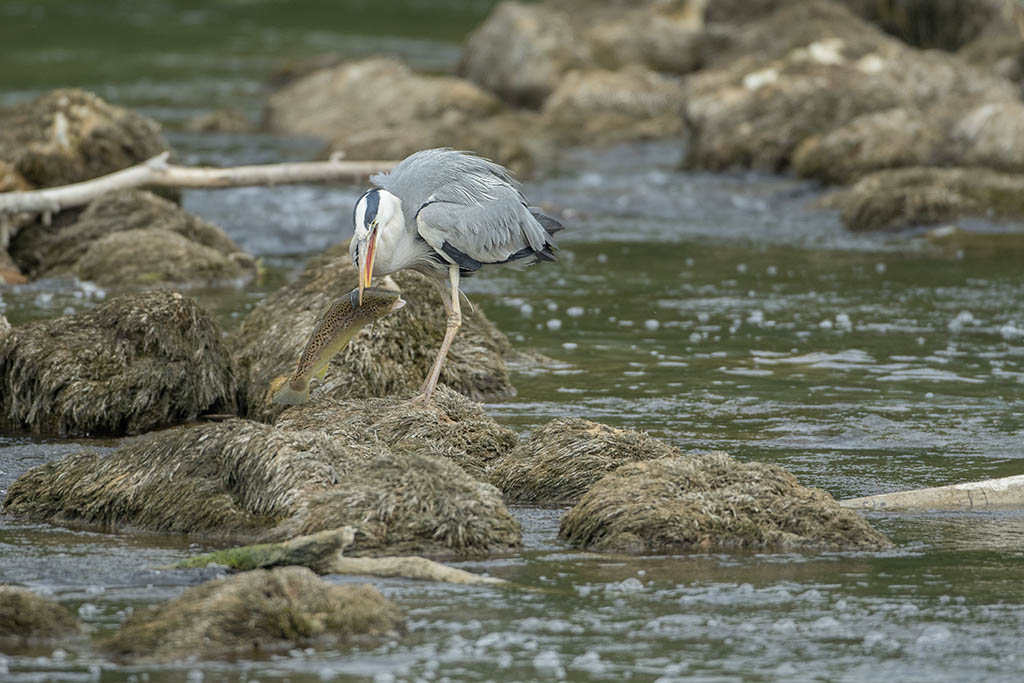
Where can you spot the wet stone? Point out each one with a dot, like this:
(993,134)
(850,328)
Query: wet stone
(25,616)
(711,502)
(408,503)
(450,426)
(67,136)
(256,613)
(138,362)
(560,460)
(132,238)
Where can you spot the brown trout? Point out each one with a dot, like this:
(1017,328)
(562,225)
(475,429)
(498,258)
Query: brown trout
(338,325)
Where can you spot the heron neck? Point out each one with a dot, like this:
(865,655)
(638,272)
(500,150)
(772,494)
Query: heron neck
(399,248)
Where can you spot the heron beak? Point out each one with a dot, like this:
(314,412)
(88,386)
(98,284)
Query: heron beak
(366,263)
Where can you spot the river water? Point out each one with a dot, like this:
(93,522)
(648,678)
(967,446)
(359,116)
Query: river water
(715,311)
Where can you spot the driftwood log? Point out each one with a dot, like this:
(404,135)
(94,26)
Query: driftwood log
(990,494)
(157,172)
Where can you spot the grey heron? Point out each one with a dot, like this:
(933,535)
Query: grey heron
(447,214)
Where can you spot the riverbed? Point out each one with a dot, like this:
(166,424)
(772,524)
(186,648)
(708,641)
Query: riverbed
(716,311)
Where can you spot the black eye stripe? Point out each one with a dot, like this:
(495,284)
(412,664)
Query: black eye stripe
(372,204)
(372,198)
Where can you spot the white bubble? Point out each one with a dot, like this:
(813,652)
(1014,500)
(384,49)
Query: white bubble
(554,324)
(741,268)
(756,317)
(552,306)
(569,346)
(772,271)
(602,258)
(703,316)
(1011,332)
(879,268)
(574,311)
(825,324)
(526,309)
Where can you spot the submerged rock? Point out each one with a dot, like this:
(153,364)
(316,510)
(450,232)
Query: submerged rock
(401,504)
(67,136)
(907,197)
(245,480)
(808,69)
(560,460)
(603,107)
(521,52)
(27,616)
(322,552)
(450,425)
(390,358)
(134,364)
(133,238)
(710,502)
(255,614)
(313,552)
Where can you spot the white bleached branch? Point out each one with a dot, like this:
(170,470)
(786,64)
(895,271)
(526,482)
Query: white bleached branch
(157,172)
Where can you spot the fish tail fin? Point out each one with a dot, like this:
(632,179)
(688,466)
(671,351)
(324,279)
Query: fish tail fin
(321,372)
(291,393)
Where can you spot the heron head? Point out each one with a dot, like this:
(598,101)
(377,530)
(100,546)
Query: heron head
(377,212)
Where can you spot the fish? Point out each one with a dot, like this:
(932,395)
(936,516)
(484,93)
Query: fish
(342,320)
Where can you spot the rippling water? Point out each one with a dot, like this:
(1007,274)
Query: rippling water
(716,311)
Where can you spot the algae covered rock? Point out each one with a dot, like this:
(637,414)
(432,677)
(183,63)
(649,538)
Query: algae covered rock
(235,478)
(255,614)
(409,503)
(250,481)
(27,616)
(560,460)
(136,363)
(389,358)
(67,136)
(521,52)
(908,197)
(132,238)
(711,502)
(450,425)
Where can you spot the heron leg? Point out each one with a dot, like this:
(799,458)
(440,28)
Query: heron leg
(454,323)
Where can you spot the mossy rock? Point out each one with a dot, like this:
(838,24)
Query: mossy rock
(67,136)
(235,478)
(132,238)
(450,425)
(560,460)
(26,616)
(255,614)
(401,504)
(390,358)
(902,198)
(241,480)
(134,364)
(711,502)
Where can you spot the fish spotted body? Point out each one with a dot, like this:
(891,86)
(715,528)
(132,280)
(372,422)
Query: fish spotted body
(339,324)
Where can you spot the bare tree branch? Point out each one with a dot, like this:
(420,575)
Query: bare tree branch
(157,172)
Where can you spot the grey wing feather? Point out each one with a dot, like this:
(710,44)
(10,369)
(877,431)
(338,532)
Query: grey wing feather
(465,206)
(463,178)
(491,233)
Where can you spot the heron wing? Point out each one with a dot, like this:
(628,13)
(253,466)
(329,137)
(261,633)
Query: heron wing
(500,231)
(448,175)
